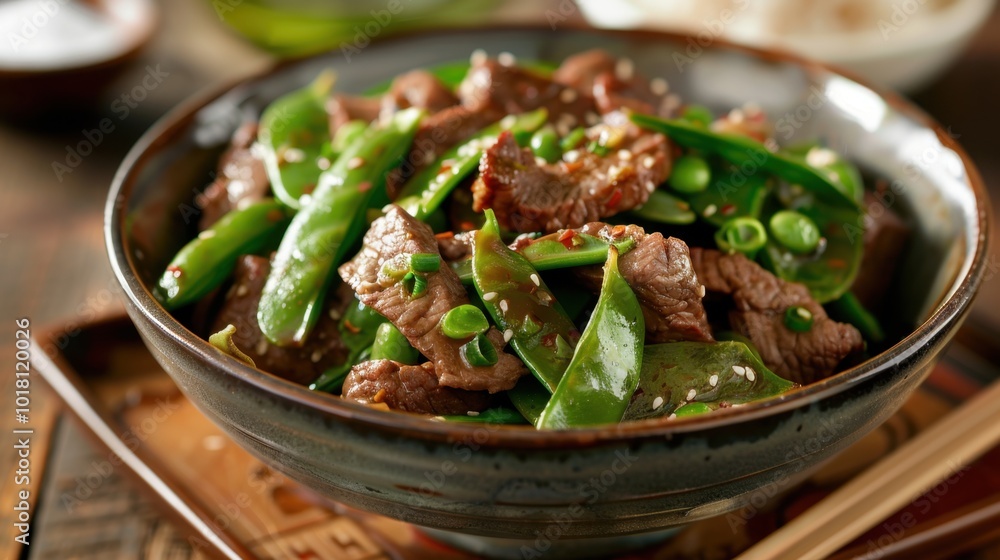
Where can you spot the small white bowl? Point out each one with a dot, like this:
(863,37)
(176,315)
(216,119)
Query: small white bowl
(905,51)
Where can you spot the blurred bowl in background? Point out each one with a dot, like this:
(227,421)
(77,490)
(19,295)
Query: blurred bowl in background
(900,44)
(61,54)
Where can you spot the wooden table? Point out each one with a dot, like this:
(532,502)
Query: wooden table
(54,267)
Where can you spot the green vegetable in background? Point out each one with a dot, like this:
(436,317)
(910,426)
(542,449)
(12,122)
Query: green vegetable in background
(293,131)
(665,208)
(522,306)
(427,190)
(848,309)
(321,233)
(357,328)
(390,344)
(207,260)
(545,144)
(732,194)
(690,175)
(604,372)
(679,374)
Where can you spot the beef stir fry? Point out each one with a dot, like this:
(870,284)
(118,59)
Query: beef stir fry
(560,247)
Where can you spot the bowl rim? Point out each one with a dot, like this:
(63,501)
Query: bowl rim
(947,311)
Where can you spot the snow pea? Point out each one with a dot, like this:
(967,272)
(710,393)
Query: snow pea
(358,327)
(665,208)
(426,191)
(752,155)
(522,306)
(829,270)
(829,161)
(324,229)
(557,250)
(679,374)
(223,340)
(293,131)
(207,260)
(848,309)
(604,371)
(733,194)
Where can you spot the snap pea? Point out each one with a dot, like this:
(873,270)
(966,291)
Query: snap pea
(829,161)
(682,374)
(848,309)
(347,134)
(223,340)
(741,235)
(293,131)
(522,306)
(545,144)
(747,152)
(604,371)
(698,114)
(734,336)
(690,175)
(324,229)
(390,344)
(207,260)
(665,208)
(426,191)
(357,328)
(795,231)
(529,397)
(557,250)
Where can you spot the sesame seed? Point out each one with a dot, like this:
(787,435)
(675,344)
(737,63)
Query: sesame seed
(671,102)
(751,374)
(710,210)
(478,57)
(624,154)
(568,119)
(355,162)
(540,161)
(293,155)
(672,416)
(821,157)
(624,68)
(334,314)
(242,290)
(567,95)
(648,162)
(571,156)
(657,402)
(535,279)
(659,86)
(262,346)
(489,296)
(692,394)
(207,234)
(507,335)
(316,356)
(650,186)
(714,380)
(591,118)
(473,413)
(507,59)
(740,370)
(503,305)
(323,163)
(701,290)
(508,121)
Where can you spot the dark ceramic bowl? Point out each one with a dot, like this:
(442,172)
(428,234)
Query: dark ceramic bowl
(517,483)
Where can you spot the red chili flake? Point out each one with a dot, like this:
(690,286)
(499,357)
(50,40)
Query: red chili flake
(175,270)
(350,327)
(364,186)
(308,189)
(836,263)
(728,209)
(566,238)
(445,235)
(549,340)
(275,215)
(616,197)
(570,167)
(467,226)
(445,168)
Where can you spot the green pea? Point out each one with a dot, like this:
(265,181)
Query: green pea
(573,139)
(798,319)
(464,321)
(390,344)
(692,409)
(698,114)
(480,352)
(795,231)
(545,144)
(741,235)
(691,175)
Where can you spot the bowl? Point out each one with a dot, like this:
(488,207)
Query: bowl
(902,45)
(505,487)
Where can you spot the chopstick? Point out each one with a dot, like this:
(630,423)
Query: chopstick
(890,484)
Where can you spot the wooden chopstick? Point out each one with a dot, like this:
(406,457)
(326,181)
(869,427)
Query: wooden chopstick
(890,484)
